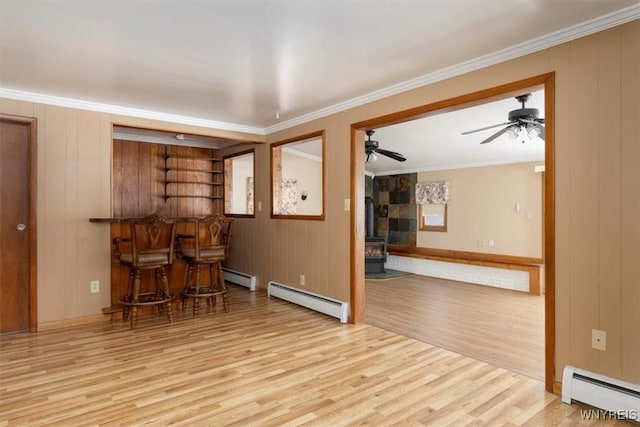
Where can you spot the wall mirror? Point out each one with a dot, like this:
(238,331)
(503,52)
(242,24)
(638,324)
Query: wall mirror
(239,172)
(297,177)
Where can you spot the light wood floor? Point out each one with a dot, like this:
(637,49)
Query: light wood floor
(265,363)
(498,326)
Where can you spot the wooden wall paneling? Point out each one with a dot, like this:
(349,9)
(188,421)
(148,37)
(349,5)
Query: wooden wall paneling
(146,174)
(126,186)
(88,129)
(116,209)
(609,202)
(53,262)
(630,202)
(72,290)
(129,188)
(584,197)
(116,178)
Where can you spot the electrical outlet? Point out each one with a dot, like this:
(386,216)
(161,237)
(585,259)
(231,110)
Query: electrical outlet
(480,243)
(259,206)
(94,286)
(302,280)
(599,340)
(491,243)
(347,205)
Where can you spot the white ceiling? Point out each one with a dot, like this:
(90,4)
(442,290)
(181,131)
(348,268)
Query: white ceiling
(437,143)
(263,65)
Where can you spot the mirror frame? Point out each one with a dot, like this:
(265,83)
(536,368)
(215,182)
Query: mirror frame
(318,134)
(224,181)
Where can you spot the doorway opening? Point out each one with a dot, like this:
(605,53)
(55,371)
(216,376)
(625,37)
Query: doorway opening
(545,82)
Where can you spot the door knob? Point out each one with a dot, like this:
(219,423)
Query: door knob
(21,227)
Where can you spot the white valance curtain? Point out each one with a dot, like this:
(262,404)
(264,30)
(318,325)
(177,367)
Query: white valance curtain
(432,192)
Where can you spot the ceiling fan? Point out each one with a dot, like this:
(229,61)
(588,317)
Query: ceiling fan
(523,120)
(371,150)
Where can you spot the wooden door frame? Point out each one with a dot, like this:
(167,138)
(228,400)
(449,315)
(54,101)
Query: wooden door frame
(32,218)
(357,285)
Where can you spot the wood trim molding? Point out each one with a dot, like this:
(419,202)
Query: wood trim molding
(69,323)
(557,388)
(549,243)
(356,207)
(451,254)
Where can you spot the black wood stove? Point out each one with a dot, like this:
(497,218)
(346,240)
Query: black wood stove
(375,248)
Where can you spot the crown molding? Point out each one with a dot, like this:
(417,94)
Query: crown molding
(601,23)
(604,22)
(125,111)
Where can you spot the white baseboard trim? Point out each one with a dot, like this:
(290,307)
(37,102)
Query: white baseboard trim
(488,276)
(239,278)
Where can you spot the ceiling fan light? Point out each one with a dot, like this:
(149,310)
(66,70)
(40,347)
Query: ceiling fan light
(513,132)
(371,157)
(533,131)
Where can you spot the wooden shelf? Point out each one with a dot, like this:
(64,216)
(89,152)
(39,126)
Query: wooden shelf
(194,182)
(211,159)
(187,178)
(191,196)
(192,170)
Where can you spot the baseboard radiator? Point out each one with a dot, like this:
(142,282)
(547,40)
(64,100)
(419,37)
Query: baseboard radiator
(239,278)
(322,304)
(600,391)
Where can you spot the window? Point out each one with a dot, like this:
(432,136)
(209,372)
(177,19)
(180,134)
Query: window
(238,184)
(432,217)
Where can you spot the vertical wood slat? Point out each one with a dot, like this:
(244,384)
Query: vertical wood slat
(584,208)
(630,203)
(228,187)
(609,202)
(139,178)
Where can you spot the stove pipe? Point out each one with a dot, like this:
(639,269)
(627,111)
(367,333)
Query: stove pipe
(369,219)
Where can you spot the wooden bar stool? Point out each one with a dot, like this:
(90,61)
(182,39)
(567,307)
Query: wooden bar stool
(208,246)
(151,248)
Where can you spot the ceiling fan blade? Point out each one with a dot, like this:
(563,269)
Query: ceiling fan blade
(395,156)
(485,128)
(542,130)
(495,135)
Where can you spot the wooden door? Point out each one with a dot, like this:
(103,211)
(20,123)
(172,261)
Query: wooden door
(17,292)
